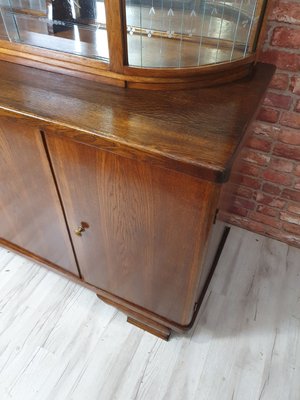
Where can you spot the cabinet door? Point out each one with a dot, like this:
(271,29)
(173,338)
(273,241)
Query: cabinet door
(146,227)
(30,211)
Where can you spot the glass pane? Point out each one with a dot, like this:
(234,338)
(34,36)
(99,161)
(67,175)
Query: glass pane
(3,34)
(71,26)
(181,33)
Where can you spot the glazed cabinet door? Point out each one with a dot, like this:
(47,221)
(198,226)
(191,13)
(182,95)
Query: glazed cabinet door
(139,231)
(30,211)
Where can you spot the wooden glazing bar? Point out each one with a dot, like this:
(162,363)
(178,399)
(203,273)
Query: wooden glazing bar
(116,29)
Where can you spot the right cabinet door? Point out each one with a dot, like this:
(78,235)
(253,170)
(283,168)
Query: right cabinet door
(145,228)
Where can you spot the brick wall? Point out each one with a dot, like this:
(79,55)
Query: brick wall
(266,184)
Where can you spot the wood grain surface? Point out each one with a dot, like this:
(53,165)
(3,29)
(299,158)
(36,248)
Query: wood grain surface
(195,131)
(147,228)
(30,210)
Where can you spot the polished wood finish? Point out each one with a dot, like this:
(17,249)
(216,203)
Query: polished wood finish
(197,132)
(137,176)
(116,29)
(139,218)
(30,213)
(126,307)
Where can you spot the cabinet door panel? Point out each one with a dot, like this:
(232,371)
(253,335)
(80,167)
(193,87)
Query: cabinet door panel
(30,211)
(147,226)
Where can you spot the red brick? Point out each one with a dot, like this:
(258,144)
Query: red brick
(259,144)
(297,107)
(295,84)
(231,219)
(279,81)
(286,11)
(282,59)
(286,37)
(250,182)
(271,189)
(289,136)
(255,157)
(246,181)
(265,130)
(244,222)
(244,203)
(290,119)
(297,170)
(238,211)
(297,183)
(285,237)
(265,219)
(292,228)
(284,150)
(255,226)
(231,189)
(244,192)
(294,209)
(269,200)
(291,218)
(281,165)
(268,115)
(277,100)
(291,194)
(277,177)
(267,211)
(249,169)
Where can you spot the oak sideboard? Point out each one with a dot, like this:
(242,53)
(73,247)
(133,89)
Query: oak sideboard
(118,189)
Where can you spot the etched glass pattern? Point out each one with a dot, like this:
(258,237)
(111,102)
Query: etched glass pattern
(3,34)
(187,33)
(71,26)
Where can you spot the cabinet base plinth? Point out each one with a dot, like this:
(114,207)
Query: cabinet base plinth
(139,320)
(152,327)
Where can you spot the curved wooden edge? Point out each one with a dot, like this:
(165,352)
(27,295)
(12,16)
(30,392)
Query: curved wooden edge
(216,79)
(187,72)
(132,77)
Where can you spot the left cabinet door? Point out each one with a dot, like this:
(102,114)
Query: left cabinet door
(31,216)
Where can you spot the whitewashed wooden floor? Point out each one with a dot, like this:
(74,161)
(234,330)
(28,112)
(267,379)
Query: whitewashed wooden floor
(59,342)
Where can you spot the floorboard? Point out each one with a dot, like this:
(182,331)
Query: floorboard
(59,342)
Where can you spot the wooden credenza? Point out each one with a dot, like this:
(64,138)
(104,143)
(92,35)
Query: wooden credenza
(119,189)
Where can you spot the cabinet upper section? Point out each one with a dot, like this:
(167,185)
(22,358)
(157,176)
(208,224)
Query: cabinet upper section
(152,43)
(190,33)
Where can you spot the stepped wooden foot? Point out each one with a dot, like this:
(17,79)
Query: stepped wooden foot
(152,327)
(139,320)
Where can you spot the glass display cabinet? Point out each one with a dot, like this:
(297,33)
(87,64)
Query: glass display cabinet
(158,43)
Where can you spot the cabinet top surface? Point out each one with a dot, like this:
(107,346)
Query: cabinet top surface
(196,131)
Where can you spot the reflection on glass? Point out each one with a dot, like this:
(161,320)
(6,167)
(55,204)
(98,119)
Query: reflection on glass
(180,33)
(72,26)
